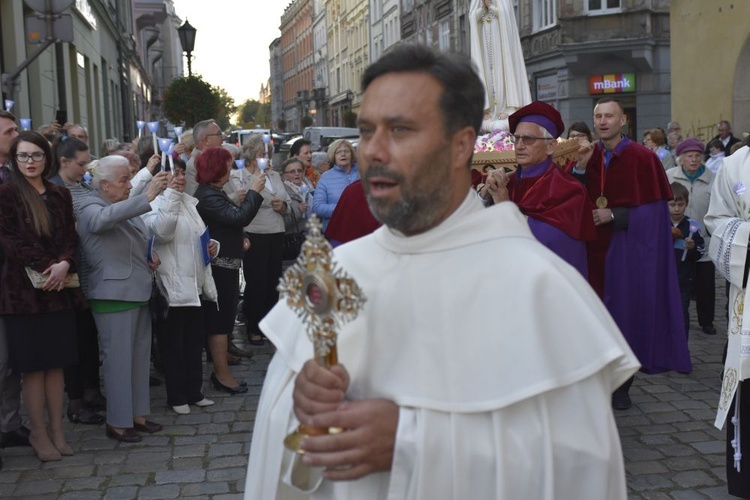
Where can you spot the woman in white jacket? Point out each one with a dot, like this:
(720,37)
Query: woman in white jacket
(186,277)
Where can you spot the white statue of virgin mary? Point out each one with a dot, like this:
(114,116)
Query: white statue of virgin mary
(496,52)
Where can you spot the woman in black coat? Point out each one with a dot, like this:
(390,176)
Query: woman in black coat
(225,221)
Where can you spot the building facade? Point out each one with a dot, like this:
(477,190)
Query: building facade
(710,66)
(105,73)
(578,51)
(297,63)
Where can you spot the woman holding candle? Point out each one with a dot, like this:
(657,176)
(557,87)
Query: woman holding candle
(262,262)
(116,245)
(225,220)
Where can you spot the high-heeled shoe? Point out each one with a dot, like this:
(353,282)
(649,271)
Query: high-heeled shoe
(44,453)
(240,389)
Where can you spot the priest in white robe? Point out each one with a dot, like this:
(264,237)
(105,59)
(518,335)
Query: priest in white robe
(728,223)
(481,366)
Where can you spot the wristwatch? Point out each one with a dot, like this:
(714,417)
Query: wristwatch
(612,214)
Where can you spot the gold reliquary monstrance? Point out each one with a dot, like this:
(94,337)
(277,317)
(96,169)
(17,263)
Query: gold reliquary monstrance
(325,298)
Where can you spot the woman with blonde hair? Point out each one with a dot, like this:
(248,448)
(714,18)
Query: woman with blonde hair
(332,183)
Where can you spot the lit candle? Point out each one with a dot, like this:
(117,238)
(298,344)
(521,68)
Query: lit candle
(164,145)
(153,127)
(140,124)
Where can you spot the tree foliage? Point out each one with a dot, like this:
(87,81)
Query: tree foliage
(253,113)
(190,99)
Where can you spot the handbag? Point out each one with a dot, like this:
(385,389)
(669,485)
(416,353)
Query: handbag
(158,304)
(38,279)
(292,241)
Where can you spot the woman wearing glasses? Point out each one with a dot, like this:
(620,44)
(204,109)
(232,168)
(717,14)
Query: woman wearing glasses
(293,171)
(262,261)
(37,231)
(332,183)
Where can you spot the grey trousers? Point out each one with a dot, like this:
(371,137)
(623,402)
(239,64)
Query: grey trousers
(10,389)
(125,352)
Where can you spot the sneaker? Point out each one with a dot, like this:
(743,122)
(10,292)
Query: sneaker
(204,402)
(181,409)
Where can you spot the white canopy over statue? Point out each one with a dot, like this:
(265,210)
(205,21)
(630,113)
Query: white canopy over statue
(496,52)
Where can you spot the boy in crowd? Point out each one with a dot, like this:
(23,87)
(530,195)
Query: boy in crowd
(688,245)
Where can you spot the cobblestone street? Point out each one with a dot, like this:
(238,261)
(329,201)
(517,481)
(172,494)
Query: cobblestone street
(671,448)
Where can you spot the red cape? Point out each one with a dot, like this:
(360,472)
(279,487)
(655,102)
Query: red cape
(635,177)
(351,218)
(557,199)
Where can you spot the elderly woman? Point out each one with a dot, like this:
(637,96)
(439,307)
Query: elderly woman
(70,160)
(332,183)
(37,232)
(699,181)
(225,220)
(116,245)
(186,276)
(140,177)
(302,150)
(320,162)
(262,262)
(292,171)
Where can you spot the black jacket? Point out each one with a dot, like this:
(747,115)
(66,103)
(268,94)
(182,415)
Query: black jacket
(226,220)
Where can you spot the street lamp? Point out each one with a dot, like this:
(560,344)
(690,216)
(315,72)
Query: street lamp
(187,39)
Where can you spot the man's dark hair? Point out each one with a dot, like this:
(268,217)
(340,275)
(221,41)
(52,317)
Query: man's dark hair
(7,114)
(605,100)
(462,100)
(297,146)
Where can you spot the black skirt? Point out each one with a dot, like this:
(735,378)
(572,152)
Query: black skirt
(41,341)
(221,321)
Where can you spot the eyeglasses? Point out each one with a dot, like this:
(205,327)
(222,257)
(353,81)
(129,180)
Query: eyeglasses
(219,134)
(576,135)
(24,157)
(342,151)
(528,140)
(295,171)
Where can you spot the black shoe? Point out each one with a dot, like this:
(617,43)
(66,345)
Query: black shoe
(85,416)
(621,400)
(18,437)
(95,402)
(127,436)
(153,381)
(240,389)
(709,330)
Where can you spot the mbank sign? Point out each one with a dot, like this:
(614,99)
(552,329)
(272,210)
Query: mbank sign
(616,83)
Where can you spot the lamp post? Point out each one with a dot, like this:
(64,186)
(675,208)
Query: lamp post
(187,39)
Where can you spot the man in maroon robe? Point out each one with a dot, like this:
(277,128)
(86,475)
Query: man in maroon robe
(556,204)
(631,263)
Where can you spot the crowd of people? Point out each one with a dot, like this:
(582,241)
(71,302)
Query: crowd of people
(104,257)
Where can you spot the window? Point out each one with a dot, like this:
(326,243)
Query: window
(603,6)
(407,5)
(544,14)
(444,35)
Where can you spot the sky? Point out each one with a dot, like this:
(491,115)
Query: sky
(231,42)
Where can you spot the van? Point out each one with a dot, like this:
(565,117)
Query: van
(238,137)
(317,135)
